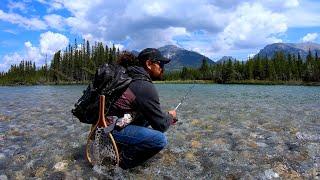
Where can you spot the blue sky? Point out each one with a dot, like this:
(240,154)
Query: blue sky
(34,29)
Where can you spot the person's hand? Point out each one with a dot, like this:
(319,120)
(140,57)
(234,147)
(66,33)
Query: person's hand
(174,121)
(173,113)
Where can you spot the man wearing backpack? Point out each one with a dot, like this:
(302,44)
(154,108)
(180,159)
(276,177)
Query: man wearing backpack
(140,102)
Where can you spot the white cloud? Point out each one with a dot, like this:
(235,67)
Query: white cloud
(55,6)
(276,5)
(119,21)
(82,26)
(28,44)
(32,23)
(155,37)
(52,42)
(251,55)
(42,1)
(310,37)
(9,59)
(49,44)
(17,5)
(119,46)
(291,3)
(10,31)
(88,37)
(252,26)
(305,15)
(226,26)
(55,21)
(30,53)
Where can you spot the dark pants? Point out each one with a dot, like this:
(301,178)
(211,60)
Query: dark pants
(137,144)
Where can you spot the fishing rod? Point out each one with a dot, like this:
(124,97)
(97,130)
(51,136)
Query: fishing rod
(184,98)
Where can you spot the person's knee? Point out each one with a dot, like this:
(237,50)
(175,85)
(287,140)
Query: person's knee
(162,141)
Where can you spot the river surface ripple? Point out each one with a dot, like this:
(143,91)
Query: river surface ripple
(223,132)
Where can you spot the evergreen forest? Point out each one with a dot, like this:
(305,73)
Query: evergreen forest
(78,63)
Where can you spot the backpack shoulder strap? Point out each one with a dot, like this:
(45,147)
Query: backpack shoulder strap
(140,77)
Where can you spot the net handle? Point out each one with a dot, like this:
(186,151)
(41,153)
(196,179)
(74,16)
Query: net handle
(101,123)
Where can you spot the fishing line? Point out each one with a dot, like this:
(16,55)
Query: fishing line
(185,96)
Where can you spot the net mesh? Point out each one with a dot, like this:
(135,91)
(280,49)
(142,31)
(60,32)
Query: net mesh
(102,150)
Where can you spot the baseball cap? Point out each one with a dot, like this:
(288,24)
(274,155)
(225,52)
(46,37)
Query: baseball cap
(153,55)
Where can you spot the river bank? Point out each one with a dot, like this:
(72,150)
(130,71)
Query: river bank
(245,82)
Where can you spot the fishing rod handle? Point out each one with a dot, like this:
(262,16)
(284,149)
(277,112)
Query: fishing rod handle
(177,106)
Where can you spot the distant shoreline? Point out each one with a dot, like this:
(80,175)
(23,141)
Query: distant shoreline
(244,82)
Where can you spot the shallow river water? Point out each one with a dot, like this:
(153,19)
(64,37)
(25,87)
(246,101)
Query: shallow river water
(223,132)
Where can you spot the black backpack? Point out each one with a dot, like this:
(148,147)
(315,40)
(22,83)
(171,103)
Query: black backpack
(110,80)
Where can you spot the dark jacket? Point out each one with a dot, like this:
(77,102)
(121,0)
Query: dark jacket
(141,97)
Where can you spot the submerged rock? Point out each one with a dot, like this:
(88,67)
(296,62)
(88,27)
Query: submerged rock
(19,175)
(261,144)
(270,174)
(285,172)
(195,144)
(4,118)
(2,156)
(307,137)
(61,166)
(40,172)
(20,158)
(169,159)
(57,175)
(3,177)
(190,156)
(109,173)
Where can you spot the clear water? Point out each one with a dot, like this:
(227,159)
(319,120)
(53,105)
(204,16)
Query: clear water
(224,131)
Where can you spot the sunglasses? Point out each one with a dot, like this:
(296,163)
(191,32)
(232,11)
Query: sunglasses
(160,63)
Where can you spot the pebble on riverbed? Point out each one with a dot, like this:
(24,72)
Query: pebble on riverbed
(270,174)
(40,172)
(4,118)
(20,158)
(307,137)
(19,175)
(285,172)
(3,177)
(195,144)
(61,166)
(168,158)
(190,156)
(2,156)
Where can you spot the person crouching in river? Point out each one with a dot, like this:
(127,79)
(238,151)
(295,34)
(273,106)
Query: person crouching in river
(140,104)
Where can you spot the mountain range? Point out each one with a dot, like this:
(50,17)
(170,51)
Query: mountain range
(184,58)
(180,57)
(226,59)
(290,48)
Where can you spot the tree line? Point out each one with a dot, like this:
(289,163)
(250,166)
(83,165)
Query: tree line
(78,63)
(280,68)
